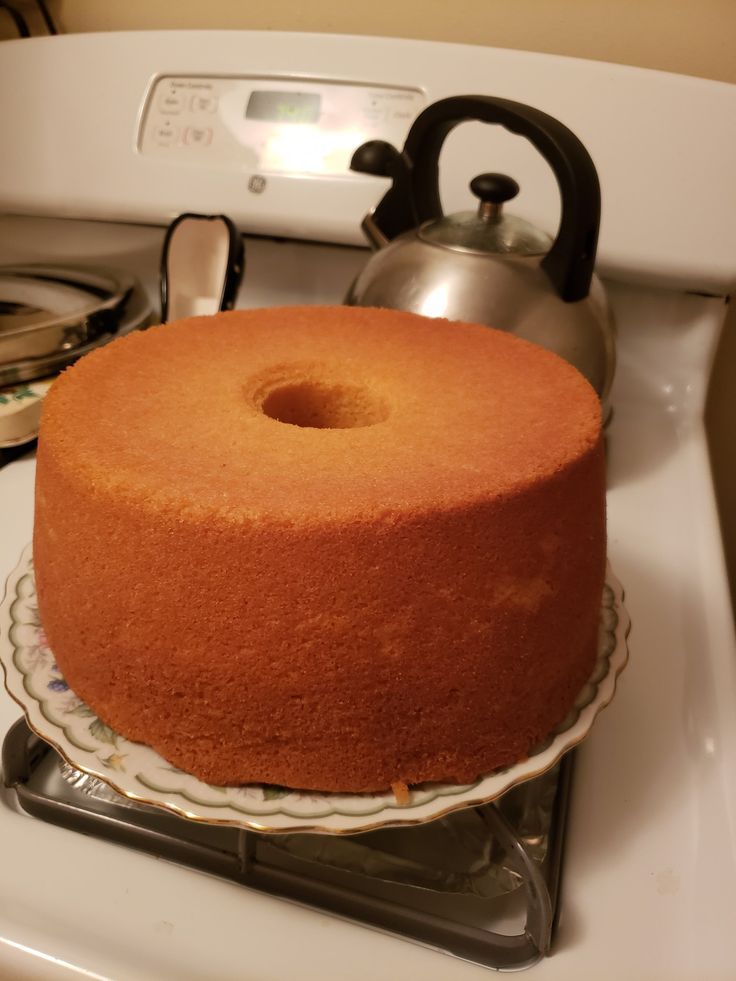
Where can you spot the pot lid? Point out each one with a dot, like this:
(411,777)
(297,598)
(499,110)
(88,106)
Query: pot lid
(51,315)
(487,231)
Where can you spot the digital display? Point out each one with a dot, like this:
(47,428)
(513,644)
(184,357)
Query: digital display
(284,107)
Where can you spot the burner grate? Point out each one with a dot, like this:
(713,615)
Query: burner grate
(494,901)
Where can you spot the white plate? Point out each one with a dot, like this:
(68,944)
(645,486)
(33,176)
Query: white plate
(56,714)
(20,411)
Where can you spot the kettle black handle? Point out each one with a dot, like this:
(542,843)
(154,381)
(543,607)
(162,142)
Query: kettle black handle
(569,262)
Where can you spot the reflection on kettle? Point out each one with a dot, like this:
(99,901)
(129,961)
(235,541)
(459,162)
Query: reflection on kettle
(486,266)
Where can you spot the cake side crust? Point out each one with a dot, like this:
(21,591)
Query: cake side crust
(296,660)
(412,599)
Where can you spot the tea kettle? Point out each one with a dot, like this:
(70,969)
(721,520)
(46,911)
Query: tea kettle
(489,267)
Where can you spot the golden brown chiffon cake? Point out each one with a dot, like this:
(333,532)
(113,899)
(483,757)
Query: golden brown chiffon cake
(324,547)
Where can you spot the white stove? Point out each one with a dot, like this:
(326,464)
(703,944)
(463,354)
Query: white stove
(91,173)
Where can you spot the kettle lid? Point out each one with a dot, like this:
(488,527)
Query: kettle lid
(487,231)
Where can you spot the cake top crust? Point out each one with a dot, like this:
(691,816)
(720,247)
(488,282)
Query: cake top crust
(318,413)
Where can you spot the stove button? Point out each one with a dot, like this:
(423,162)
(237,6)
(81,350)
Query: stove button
(374,114)
(171,103)
(198,135)
(165,134)
(203,103)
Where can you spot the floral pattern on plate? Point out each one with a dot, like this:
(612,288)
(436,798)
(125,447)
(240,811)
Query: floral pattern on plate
(56,714)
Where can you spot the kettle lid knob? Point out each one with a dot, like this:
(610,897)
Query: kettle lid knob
(495,188)
(493,191)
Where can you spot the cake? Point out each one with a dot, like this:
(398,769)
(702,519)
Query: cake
(332,548)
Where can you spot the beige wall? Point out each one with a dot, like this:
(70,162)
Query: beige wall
(694,37)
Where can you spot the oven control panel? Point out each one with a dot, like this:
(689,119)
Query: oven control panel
(272,125)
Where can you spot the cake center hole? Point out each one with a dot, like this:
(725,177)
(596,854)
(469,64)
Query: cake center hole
(318,405)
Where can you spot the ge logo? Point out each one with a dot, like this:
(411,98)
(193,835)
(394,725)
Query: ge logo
(257,184)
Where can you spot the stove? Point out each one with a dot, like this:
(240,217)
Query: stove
(647,881)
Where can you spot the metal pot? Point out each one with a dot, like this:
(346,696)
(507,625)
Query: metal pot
(50,315)
(486,266)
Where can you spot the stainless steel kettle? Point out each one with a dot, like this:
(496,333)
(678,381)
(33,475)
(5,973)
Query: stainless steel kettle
(488,267)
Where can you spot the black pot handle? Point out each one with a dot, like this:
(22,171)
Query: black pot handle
(414,197)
